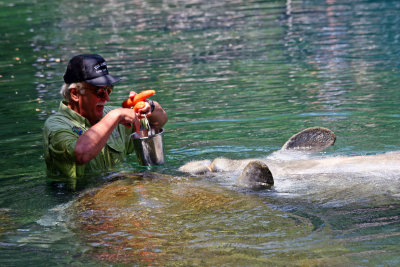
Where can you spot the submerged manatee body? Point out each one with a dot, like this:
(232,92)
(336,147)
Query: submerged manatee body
(156,219)
(256,173)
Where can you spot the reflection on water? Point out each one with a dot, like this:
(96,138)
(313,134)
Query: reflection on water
(237,79)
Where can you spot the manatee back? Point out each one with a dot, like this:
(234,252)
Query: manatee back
(312,139)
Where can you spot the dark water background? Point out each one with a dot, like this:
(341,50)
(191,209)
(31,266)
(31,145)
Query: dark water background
(237,79)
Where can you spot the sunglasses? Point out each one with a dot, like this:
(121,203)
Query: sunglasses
(100,92)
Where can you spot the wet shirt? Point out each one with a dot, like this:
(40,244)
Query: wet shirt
(61,132)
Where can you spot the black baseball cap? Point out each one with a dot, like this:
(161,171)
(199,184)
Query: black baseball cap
(90,68)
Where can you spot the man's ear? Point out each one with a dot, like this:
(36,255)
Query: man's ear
(74,94)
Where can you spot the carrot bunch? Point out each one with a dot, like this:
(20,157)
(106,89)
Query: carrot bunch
(137,102)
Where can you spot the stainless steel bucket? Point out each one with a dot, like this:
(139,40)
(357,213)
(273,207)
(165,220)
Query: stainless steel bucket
(149,149)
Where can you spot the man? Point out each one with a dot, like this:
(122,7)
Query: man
(85,135)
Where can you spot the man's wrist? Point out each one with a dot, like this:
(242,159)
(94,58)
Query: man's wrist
(152,105)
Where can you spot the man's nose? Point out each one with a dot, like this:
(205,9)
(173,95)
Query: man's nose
(107,95)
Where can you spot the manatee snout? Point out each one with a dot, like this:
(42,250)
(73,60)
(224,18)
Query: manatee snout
(197,167)
(256,175)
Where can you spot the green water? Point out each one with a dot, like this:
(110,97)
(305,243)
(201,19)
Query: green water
(237,79)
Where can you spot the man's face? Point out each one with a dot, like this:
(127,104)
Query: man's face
(92,102)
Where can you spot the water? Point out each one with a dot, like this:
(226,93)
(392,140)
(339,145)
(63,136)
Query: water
(237,79)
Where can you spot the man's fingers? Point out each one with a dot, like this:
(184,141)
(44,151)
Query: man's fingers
(137,125)
(132,94)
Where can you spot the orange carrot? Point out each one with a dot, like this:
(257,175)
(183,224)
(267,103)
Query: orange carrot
(143,95)
(139,105)
(131,102)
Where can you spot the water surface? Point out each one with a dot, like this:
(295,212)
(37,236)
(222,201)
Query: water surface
(237,79)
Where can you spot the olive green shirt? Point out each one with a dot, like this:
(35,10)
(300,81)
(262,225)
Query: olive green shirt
(61,132)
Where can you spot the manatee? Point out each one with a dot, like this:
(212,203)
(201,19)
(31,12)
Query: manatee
(255,172)
(226,165)
(256,175)
(314,139)
(196,167)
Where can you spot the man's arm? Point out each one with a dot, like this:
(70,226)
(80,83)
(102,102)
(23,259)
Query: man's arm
(158,117)
(93,140)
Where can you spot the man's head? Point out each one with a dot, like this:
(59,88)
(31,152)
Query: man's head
(87,86)
(90,68)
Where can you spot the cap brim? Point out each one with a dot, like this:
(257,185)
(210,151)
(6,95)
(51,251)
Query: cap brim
(104,80)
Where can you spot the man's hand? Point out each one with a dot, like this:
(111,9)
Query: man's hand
(128,117)
(143,112)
